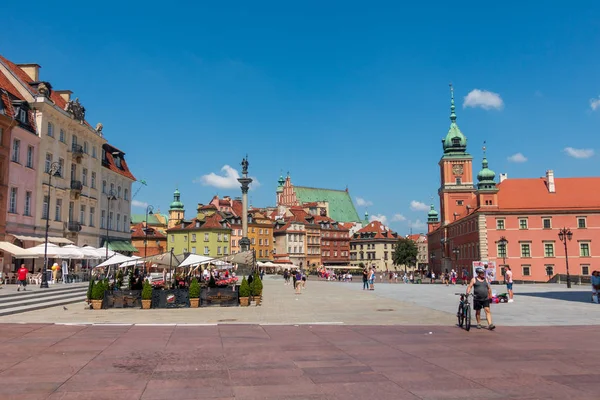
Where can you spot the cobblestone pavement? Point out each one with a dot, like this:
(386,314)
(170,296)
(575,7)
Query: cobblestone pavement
(60,362)
(345,303)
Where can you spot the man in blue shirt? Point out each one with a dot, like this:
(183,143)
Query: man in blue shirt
(595,280)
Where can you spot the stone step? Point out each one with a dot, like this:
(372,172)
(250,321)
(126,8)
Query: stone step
(46,304)
(36,300)
(34,291)
(13,302)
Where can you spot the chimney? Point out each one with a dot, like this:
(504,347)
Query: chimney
(503,177)
(32,70)
(65,94)
(550,181)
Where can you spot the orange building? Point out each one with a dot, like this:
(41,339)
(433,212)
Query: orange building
(260,233)
(514,222)
(157,242)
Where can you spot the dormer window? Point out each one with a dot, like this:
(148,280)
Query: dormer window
(23,116)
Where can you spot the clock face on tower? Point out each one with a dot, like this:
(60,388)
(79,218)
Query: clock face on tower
(457,169)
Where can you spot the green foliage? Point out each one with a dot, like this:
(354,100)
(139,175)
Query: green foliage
(147,291)
(131,279)
(119,278)
(211,282)
(90,288)
(244,288)
(98,290)
(362,265)
(194,289)
(405,253)
(256,286)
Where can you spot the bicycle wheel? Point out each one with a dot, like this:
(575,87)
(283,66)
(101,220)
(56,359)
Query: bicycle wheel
(460,314)
(467,317)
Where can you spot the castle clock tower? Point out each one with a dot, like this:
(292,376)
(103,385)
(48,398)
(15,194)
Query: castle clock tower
(456,171)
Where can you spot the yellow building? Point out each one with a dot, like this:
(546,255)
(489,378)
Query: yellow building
(260,233)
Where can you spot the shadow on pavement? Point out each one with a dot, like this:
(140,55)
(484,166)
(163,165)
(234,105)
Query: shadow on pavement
(578,296)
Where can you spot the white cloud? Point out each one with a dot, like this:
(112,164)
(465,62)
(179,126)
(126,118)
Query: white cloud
(517,158)
(228,180)
(595,103)
(139,204)
(398,218)
(379,217)
(484,99)
(418,206)
(363,203)
(579,153)
(418,224)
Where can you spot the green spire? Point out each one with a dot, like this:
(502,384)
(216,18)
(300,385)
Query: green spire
(176,204)
(486,176)
(365,222)
(432,215)
(280,183)
(455,143)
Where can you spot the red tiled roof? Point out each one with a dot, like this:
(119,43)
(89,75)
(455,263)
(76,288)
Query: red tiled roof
(124,171)
(5,98)
(237,207)
(138,232)
(532,194)
(379,229)
(212,221)
(208,207)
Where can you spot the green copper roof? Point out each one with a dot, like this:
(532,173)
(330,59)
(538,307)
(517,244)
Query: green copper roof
(455,143)
(176,204)
(486,176)
(341,207)
(138,218)
(280,183)
(432,215)
(365,222)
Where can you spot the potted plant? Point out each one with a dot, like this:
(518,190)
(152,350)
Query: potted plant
(244,293)
(146,295)
(98,295)
(194,293)
(88,296)
(257,289)
(119,279)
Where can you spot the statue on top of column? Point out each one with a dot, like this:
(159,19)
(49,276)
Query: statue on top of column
(245,164)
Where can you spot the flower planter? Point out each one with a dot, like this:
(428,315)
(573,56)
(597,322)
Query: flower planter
(258,299)
(194,303)
(244,301)
(146,304)
(96,304)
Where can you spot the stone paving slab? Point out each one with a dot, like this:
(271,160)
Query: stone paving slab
(298,362)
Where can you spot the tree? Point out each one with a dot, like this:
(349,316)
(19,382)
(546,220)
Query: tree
(405,253)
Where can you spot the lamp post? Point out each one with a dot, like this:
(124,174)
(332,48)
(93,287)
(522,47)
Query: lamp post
(111,195)
(456,252)
(432,257)
(565,235)
(503,242)
(54,170)
(149,211)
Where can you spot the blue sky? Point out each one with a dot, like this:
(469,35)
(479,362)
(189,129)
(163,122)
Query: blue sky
(336,93)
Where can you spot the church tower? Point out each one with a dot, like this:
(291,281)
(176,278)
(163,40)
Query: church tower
(456,171)
(176,210)
(487,192)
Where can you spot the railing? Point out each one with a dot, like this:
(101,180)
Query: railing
(76,185)
(74,226)
(77,150)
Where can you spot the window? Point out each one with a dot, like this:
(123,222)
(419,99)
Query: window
(266,231)
(73,171)
(29,157)
(526,270)
(23,115)
(16,150)
(85,147)
(206,250)
(104,187)
(500,224)
(266,242)
(50,129)
(584,249)
(525,250)
(581,223)
(84,175)
(219,250)
(585,270)
(501,250)
(112,188)
(125,223)
(93,182)
(459,202)
(253,241)
(266,253)
(58,210)
(61,166)
(73,141)
(119,192)
(260,242)
(82,214)
(233,243)
(547,223)
(225,250)
(45,207)
(458,181)
(185,238)
(102,218)
(126,194)
(550,270)
(193,250)
(110,219)
(260,253)
(206,237)
(522,223)
(27,210)
(92,215)
(172,238)
(61,136)
(218,237)
(94,151)
(548,249)
(12,206)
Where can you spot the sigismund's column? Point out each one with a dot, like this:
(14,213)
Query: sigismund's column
(245,182)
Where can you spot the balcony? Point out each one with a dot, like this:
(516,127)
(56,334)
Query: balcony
(74,226)
(76,187)
(77,151)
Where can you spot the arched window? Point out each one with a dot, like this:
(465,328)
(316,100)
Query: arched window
(50,129)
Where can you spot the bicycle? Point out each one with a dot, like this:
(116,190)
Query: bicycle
(464,311)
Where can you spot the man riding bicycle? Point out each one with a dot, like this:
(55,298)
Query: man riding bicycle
(482,293)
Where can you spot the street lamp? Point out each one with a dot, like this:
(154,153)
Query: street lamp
(111,195)
(565,235)
(54,170)
(456,251)
(503,242)
(149,211)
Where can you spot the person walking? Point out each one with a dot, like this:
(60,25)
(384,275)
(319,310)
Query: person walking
(365,277)
(298,282)
(372,280)
(22,277)
(482,293)
(595,281)
(508,277)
